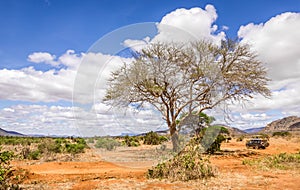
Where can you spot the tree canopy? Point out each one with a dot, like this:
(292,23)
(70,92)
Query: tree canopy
(184,78)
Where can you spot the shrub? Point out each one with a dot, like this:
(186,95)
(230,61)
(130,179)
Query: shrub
(279,161)
(241,138)
(49,146)
(34,155)
(131,141)
(263,136)
(107,143)
(80,141)
(6,171)
(281,134)
(189,164)
(7,140)
(211,138)
(153,138)
(75,148)
(90,140)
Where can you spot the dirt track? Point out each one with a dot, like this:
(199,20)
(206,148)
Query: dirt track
(93,173)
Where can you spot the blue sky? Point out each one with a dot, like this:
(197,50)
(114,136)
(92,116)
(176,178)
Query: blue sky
(55,27)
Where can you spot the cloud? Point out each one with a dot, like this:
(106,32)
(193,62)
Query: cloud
(69,59)
(38,119)
(190,24)
(31,85)
(80,74)
(93,74)
(43,57)
(277,43)
(64,120)
(137,45)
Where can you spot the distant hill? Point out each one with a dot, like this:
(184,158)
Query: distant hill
(253,130)
(232,130)
(10,133)
(291,123)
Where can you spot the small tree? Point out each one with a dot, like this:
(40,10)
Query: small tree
(182,78)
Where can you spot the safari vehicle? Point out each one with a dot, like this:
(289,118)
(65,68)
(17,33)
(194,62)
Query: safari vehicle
(257,143)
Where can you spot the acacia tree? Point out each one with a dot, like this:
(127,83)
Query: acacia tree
(184,78)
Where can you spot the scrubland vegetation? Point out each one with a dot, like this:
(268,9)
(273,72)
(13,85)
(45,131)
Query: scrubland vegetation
(281,161)
(36,148)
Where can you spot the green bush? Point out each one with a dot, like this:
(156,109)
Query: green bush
(263,136)
(280,161)
(153,138)
(281,134)
(211,138)
(34,155)
(6,171)
(75,148)
(7,140)
(90,140)
(131,141)
(79,141)
(241,138)
(107,143)
(189,164)
(35,148)
(50,145)
(26,153)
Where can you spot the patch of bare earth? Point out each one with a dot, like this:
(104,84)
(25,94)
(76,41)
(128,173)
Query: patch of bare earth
(89,171)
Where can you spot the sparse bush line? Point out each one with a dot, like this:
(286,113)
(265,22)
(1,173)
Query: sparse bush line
(35,148)
(281,134)
(281,161)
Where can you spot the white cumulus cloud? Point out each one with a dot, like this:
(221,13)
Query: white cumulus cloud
(43,57)
(190,24)
(277,44)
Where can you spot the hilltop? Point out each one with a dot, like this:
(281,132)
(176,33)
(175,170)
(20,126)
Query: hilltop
(10,133)
(291,123)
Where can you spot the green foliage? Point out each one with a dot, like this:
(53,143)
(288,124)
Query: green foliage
(7,140)
(211,141)
(90,140)
(207,119)
(34,155)
(262,136)
(49,145)
(131,141)
(241,138)
(74,148)
(77,146)
(281,161)
(61,145)
(107,143)
(26,153)
(35,148)
(153,138)
(189,164)
(203,118)
(6,171)
(281,134)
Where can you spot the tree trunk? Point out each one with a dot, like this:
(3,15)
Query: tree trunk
(174,137)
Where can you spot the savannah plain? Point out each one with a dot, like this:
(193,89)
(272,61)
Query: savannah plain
(236,168)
